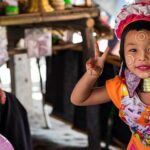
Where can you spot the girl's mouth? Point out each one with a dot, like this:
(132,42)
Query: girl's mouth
(143,68)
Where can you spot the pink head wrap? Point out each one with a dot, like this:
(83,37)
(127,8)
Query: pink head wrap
(131,13)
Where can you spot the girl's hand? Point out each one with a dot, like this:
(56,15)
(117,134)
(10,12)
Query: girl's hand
(94,65)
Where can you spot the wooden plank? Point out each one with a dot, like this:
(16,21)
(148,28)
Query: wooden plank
(35,18)
(70,17)
(72,14)
(20,19)
(74,47)
(112,59)
(74,10)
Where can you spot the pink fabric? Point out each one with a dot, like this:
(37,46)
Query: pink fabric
(142,1)
(132,147)
(132,82)
(129,19)
(5,144)
(131,13)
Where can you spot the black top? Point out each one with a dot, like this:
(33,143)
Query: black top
(14,123)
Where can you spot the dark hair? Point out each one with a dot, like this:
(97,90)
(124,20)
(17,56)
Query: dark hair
(138,25)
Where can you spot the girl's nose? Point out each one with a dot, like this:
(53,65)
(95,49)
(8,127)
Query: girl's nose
(143,55)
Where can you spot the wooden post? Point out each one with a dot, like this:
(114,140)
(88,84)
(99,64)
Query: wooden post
(13,36)
(20,69)
(92,112)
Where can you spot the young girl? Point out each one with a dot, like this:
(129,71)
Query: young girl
(130,91)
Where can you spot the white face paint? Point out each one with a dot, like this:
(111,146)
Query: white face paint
(137,52)
(141,36)
(129,60)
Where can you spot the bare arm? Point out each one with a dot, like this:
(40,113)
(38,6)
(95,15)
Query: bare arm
(84,92)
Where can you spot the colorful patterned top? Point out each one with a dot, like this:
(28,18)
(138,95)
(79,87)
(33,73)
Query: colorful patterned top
(133,112)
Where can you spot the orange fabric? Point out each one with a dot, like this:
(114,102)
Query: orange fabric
(135,144)
(145,117)
(113,87)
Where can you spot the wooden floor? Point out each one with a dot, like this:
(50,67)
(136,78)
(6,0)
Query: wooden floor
(58,139)
(59,135)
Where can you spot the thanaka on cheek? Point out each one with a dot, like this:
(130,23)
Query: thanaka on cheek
(129,60)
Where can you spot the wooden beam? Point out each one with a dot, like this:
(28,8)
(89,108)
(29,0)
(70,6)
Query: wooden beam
(56,48)
(34,18)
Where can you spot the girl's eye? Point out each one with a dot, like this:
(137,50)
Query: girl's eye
(132,50)
(148,50)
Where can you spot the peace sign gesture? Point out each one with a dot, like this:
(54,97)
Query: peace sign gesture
(94,65)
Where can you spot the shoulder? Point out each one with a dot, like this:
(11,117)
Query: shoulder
(10,96)
(114,82)
(13,102)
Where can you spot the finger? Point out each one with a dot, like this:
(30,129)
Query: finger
(89,60)
(96,50)
(104,55)
(89,66)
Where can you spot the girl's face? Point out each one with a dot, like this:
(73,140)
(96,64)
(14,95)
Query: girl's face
(137,52)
